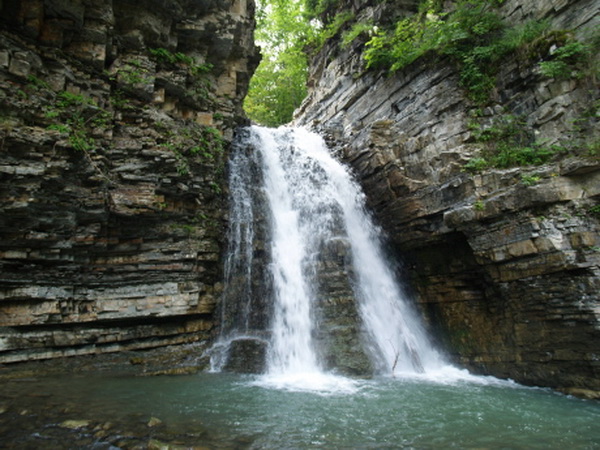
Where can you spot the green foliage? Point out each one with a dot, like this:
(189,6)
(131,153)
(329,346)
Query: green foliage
(565,60)
(215,187)
(357,29)
(594,211)
(508,142)
(530,180)
(131,74)
(76,115)
(279,83)
(164,56)
(68,99)
(198,83)
(201,69)
(331,29)
(168,58)
(61,128)
(102,119)
(118,100)
(505,128)
(475,165)
(511,156)
(194,145)
(592,147)
(473,35)
(184,227)
(211,144)
(321,9)
(51,114)
(80,141)
(277,89)
(201,88)
(37,83)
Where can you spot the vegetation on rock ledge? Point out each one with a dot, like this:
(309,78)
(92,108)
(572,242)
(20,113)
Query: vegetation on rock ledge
(474,36)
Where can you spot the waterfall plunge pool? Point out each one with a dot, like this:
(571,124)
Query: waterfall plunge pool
(216,410)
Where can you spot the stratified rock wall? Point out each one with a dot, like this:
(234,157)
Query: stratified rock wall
(115,121)
(505,263)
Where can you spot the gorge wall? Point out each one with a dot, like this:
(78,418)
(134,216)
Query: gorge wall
(504,262)
(115,120)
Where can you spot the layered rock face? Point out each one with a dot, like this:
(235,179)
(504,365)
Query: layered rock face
(504,262)
(115,120)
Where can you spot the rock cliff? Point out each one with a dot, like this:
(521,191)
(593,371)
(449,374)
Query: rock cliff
(115,121)
(504,262)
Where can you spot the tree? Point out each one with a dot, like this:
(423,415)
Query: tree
(279,84)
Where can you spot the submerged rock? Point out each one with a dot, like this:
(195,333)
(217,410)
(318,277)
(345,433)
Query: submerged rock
(154,421)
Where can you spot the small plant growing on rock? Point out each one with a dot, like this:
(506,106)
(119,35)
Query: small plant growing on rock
(131,75)
(215,187)
(477,164)
(358,29)
(37,83)
(193,145)
(118,100)
(564,60)
(530,180)
(164,56)
(76,115)
(61,128)
(80,141)
(68,99)
(507,141)
(595,211)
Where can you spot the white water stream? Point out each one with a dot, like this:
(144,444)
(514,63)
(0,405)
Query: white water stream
(313,200)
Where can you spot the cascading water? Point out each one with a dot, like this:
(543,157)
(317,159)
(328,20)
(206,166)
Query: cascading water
(309,203)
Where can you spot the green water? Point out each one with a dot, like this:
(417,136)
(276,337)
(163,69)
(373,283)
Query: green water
(227,411)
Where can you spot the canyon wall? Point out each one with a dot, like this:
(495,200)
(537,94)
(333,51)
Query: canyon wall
(504,262)
(115,122)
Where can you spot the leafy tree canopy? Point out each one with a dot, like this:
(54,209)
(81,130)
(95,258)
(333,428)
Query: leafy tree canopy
(279,84)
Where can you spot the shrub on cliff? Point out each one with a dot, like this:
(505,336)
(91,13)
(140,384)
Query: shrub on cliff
(472,34)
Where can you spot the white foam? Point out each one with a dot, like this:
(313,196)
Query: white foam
(315,382)
(451,375)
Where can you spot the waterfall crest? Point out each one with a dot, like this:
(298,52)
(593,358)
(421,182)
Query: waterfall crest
(304,251)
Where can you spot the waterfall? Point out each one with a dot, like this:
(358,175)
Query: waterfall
(325,280)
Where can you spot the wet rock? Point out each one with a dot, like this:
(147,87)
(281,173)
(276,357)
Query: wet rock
(153,422)
(581,393)
(247,355)
(74,424)
(338,335)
